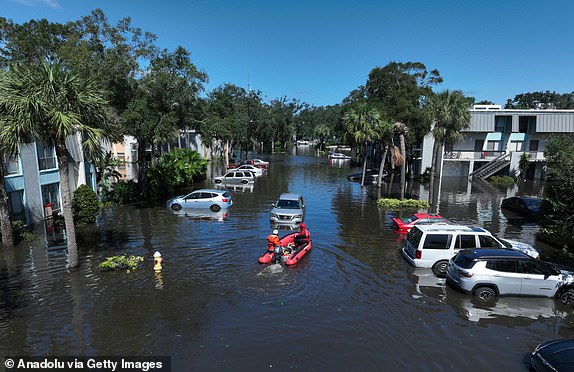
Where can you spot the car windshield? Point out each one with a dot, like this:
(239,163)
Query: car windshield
(288,204)
(411,219)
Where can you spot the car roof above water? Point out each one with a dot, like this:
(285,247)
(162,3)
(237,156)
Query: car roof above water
(289,196)
(210,190)
(482,253)
(450,228)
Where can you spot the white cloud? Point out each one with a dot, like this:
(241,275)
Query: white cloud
(48,3)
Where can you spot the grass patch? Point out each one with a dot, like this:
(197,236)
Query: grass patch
(396,204)
(122,262)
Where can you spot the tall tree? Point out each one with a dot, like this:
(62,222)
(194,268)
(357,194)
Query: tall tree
(541,100)
(449,111)
(48,103)
(399,91)
(400,130)
(363,127)
(5,225)
(165,100)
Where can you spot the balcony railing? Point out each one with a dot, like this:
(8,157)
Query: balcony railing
(486,155)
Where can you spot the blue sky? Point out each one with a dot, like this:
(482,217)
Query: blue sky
(318,51)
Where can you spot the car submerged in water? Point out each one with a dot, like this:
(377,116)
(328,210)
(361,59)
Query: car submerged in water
(488,273)
(289,209)
(203,199)
(371,176)
(404,225)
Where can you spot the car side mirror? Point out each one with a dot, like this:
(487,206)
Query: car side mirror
(273,205)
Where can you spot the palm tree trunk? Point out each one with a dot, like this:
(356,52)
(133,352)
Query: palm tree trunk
(432,170)
(142,168)
(62,153)
(7,237)
(403,167)
(382,167)
(364,164)
(226,153)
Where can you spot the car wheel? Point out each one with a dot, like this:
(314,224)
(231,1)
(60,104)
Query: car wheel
(485,294)
(567,296)
(244,181)
(176,207)
(215,208)
(439,268)
(218,181)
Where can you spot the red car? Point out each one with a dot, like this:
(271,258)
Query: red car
(404,225)
(255,162)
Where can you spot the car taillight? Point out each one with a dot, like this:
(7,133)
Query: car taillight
(419,254)
(466,274)
(225,200)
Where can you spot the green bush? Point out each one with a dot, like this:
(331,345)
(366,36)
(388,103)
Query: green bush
(121,262)
(122,192)
(21,233)
(425,177)
(86,205)
(396,204)
(176,169)
(502,180)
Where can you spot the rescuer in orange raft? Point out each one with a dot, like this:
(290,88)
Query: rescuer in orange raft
(273,240)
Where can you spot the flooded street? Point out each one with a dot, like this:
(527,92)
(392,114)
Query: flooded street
(352,304)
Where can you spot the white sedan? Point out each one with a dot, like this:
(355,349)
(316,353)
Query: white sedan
(260,163)
(256,171)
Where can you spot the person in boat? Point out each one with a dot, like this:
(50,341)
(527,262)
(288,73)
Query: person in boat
(304,235)
(273,240)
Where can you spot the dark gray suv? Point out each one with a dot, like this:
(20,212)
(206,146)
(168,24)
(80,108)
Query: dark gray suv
(487,273)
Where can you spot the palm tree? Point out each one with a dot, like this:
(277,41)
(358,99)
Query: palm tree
(362,127)
(449,112)
(6,226)
(400,129)
(49,103)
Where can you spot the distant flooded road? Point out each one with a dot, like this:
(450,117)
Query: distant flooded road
(352,304)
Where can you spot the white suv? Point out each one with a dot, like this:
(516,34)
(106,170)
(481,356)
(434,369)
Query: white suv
(432,246)
(289,209)
(488,273)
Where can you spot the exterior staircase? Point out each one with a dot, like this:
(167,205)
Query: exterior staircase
(491,167)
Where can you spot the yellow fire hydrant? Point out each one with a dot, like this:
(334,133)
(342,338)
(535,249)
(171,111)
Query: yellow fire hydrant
(157,261)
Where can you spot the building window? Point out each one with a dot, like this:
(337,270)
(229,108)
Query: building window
(51,196)
(533,146)
(503,124)
(12,165)
(46,156)
(16,205)
(527,124)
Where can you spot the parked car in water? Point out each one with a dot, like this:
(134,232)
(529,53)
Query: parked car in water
(526,206)
(207,199)
(553,356)
(243,177)
(289,209)
(487,273)
(338,155)
(404,225)
(251,168)
(432,246)
(371,176)
(255,162)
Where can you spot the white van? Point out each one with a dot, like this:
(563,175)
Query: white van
(432,246)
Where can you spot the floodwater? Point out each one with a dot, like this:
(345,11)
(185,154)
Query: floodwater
(353,304)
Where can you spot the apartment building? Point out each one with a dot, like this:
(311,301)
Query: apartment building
(33,182)
(498,138)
